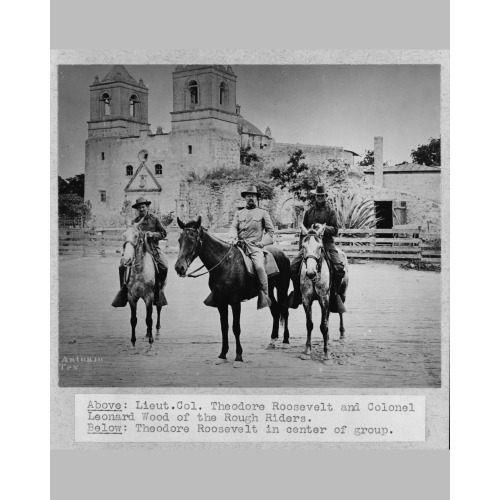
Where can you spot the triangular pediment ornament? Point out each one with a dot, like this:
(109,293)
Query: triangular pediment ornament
(143,181)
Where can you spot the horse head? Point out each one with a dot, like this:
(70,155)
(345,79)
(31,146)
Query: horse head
(189,244)
(132,236)
(312,249)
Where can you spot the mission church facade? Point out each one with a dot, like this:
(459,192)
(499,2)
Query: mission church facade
(125,160)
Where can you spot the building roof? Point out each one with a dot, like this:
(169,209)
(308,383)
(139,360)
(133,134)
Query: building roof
(353,152)
(406,167)
(118,73)
(248,128)
(182,67)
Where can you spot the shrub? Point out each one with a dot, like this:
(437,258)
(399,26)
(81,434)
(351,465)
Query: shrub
(354,212)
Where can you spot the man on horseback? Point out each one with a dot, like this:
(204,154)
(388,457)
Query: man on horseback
(319,213)
(247,230)
(154,231)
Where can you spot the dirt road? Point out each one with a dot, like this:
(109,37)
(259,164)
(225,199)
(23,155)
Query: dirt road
(392,335)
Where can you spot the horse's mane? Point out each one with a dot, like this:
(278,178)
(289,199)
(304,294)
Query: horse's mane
(192,223)
(310,233)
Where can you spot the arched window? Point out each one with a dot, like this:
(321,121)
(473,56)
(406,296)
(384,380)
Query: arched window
(222,93)
(193,92)
(158,169)
(134,102)
(106,104)
(130,170)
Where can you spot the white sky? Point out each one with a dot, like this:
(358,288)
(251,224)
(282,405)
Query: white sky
(333,105)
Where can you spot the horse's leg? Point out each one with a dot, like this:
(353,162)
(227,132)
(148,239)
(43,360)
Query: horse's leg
(275,311)
(224,327)
(307,303)
(236,307)
(133,319)
(284,318)
(149,321)
(158,325)
(341,329)
(325,316)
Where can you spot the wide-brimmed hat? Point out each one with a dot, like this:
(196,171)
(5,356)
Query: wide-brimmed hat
(141,201)
(250,190)
(320,190)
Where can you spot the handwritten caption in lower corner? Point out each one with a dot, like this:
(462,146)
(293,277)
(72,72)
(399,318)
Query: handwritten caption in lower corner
(245,418)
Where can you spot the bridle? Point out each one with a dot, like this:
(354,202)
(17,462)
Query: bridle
(199,242)
(319,260)
(140,240)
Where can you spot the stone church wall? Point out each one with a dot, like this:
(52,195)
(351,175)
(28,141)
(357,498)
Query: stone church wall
(279,154)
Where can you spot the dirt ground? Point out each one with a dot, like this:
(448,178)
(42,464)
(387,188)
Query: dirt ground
(392,334)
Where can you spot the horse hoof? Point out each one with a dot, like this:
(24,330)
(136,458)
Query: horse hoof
(238,364)
(271,345)
(328,362)
(220,361)
(305,356)
(286,345)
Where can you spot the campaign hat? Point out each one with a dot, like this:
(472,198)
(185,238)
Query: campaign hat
(141,201)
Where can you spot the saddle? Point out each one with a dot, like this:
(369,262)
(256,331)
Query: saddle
(270,265)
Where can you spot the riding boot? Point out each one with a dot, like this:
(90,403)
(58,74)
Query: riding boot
(210,301)
(295,297)
(159,298)
(336,304)
(121,298)
(263,299)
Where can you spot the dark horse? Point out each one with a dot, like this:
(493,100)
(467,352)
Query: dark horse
(230,283)
(140,279)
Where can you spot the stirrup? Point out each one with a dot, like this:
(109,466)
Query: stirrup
(210,301)
(161,300)
(336,305)
(121,298)
(263,301)
(294,300)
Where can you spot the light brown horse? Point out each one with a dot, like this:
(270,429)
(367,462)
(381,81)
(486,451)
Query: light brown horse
(315,284)
(140,279)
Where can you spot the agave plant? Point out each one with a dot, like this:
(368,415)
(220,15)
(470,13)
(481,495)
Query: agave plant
(354,212)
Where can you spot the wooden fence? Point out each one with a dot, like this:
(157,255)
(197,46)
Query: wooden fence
(385,244)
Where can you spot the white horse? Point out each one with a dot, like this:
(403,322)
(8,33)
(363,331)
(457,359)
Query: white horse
(315,284)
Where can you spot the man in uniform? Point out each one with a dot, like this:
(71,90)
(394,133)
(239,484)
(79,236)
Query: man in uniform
(319,213)
(154,231)
(248,229)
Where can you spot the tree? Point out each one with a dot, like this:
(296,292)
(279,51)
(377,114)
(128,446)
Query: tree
(296,177)
(428,154)
(247,158)
(72,185)
(70,199)
(369,158)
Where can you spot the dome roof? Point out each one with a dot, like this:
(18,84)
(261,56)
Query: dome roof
(248,128)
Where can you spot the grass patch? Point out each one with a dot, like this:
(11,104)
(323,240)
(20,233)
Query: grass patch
(421,266)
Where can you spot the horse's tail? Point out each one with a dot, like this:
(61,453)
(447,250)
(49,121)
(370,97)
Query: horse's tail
(283,285)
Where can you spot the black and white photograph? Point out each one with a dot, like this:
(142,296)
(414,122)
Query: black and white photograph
(250,225)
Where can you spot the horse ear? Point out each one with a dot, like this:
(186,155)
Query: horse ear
(180,223)
(321,229)
(197,224)
(303,229)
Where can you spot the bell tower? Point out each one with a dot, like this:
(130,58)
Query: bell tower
(118,105)
(204,119)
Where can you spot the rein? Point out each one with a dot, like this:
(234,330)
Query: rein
(319,262)
(132,262)
(192,274)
